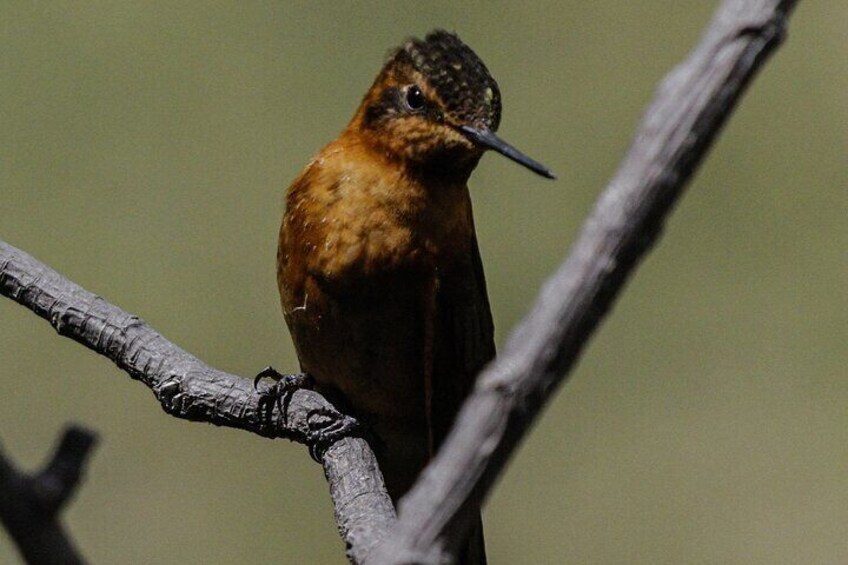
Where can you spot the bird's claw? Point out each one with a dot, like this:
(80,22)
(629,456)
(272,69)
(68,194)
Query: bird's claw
(326,428)
(279,394)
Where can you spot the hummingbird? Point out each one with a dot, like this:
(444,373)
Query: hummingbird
(378,265)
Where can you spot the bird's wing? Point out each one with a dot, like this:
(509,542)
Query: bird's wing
(464,338)
(464,344)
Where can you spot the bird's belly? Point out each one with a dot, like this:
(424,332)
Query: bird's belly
(366,341)
(364,346)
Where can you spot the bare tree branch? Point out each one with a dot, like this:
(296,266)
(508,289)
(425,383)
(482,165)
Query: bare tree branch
(691,105)
(30,504)
(189,389)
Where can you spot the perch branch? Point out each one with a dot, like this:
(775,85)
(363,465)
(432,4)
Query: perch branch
(691,105)
(189,389)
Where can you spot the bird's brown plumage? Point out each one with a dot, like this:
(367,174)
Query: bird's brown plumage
(379,269)
(380,279)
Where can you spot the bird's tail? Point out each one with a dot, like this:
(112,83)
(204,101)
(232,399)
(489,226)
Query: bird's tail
(474,552)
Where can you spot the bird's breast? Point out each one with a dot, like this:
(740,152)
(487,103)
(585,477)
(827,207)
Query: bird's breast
(360,245)
(358,217)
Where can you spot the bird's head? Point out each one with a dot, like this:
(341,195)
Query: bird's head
(436,106)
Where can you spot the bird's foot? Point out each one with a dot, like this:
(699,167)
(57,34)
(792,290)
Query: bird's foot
(326,428)
(280,393)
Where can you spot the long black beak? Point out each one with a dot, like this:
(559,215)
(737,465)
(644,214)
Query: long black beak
(487,138)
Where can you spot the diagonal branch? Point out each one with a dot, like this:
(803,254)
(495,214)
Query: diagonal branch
(189,389)
(690,107)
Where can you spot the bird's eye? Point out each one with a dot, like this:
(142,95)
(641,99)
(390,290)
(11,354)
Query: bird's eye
(414,98)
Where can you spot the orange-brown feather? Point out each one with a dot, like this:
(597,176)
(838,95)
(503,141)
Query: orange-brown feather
(361,244)
(378,267)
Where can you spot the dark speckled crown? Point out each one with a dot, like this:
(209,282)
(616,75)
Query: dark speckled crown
(459,77)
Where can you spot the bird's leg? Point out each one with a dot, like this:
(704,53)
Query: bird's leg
(280,393)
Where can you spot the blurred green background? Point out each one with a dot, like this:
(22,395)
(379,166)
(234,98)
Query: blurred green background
(144,150)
